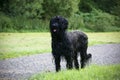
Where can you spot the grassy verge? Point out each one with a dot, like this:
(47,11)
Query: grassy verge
(89,73)
(20,44)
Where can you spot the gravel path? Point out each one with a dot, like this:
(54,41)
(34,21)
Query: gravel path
(22,68)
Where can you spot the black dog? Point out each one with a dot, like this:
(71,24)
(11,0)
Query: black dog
(68,44)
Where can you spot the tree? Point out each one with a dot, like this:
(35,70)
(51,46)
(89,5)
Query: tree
(27,8)
(57,7)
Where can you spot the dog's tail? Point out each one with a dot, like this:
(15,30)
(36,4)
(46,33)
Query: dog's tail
(89,56)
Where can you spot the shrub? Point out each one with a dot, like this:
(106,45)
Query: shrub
(99,21)
(76,22)
(5,23)
(26,24)
(21,24)
(56,7)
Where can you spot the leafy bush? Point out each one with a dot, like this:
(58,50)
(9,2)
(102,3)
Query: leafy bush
(5,23)
(96,21)
(99,21)
(76,22)
(21,24)
(26,24)
(28,8)
(56,7)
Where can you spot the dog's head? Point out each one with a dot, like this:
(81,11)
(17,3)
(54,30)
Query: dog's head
(58,24)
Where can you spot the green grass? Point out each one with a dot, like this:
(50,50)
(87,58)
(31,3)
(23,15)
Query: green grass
(103,38)
(21,44)
(89,73)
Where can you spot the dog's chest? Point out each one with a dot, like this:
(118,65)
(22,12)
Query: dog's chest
(61,47)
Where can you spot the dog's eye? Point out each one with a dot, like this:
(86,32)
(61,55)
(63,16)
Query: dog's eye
(62,22)
(55,25)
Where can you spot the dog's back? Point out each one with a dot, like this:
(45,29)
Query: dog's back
(77,38)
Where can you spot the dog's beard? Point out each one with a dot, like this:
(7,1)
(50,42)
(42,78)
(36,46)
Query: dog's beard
(57,35)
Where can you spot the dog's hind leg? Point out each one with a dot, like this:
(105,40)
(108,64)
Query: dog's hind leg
(84,56)
(69,61)
(82,61)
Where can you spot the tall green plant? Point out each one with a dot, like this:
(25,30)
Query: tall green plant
(28,8)
(57,7)
(99,21)
(5,23)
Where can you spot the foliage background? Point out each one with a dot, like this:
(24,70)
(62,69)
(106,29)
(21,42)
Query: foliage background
(34,15)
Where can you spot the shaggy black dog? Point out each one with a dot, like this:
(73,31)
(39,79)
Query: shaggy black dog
(68,44)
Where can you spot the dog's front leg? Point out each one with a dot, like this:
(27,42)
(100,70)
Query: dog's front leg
(57,63)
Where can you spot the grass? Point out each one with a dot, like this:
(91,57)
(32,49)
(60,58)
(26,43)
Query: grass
(20,44)
(93,72)
(103,38)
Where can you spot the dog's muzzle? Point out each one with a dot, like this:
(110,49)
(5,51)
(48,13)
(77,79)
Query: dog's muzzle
(55,25)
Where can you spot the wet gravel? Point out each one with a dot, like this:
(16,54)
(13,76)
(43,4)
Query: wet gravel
(22,68)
